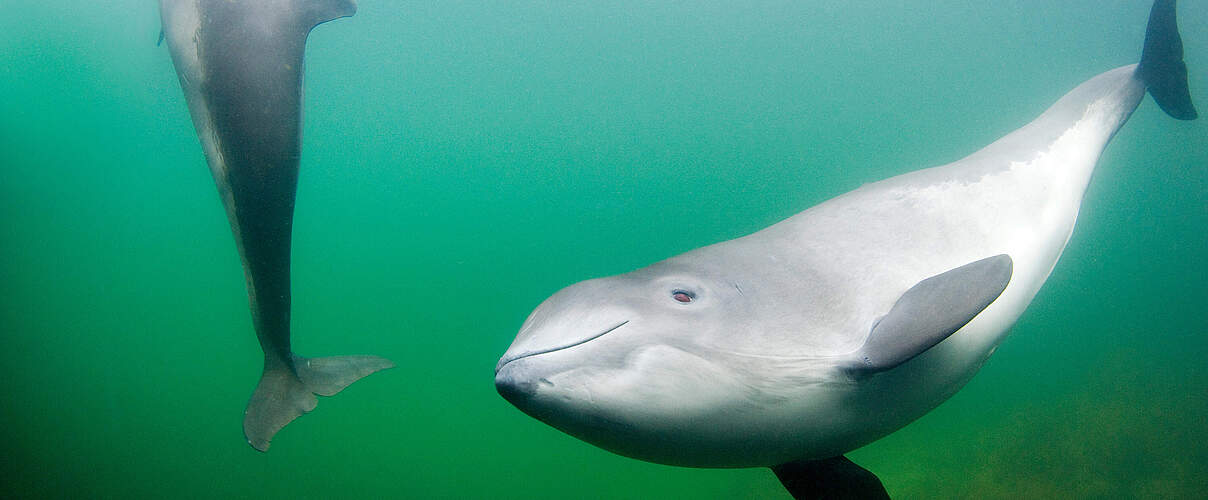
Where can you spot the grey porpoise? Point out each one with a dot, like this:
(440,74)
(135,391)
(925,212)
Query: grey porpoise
(792,346)
(240,65)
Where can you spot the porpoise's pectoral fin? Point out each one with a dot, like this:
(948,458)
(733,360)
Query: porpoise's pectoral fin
(161,38)
(1162,67)
(315,12)
(835,478)
(931,311)
(282,395)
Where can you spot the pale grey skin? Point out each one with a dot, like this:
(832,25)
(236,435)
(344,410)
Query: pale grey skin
(240,64)
(757,370)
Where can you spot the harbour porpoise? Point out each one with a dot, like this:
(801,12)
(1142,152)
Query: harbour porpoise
(240,64)
(792,346)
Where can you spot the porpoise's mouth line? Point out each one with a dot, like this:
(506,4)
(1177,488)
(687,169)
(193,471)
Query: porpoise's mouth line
(510,359)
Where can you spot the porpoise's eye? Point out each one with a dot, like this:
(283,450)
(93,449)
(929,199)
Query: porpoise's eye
(683,296)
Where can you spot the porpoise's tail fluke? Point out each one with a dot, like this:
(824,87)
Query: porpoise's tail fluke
(1162,68)
(284,394)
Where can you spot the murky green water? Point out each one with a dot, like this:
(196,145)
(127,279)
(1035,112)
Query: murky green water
(464,160)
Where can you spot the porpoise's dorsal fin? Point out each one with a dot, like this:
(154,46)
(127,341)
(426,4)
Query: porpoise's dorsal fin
(835,478)
(932,310)
(1162,67)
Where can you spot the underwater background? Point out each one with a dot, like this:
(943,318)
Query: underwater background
(464,160)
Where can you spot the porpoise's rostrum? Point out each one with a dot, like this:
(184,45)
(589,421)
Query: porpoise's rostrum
(791,346)
(240,65)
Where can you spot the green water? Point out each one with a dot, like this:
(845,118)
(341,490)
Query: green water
(464,160)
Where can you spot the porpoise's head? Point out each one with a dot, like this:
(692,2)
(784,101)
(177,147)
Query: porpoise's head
(667,364)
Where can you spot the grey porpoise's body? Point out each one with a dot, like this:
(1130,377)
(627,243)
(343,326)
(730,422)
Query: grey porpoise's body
(240,65)
(794,345)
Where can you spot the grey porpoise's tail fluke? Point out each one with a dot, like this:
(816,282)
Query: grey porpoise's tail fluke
(285,392)
(1162,68)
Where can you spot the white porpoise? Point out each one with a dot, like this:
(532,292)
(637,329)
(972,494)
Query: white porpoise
(841,324)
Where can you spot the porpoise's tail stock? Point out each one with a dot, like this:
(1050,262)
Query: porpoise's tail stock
(286,392)
(1162,68)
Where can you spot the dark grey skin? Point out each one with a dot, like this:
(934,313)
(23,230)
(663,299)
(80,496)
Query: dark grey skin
(240,65)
